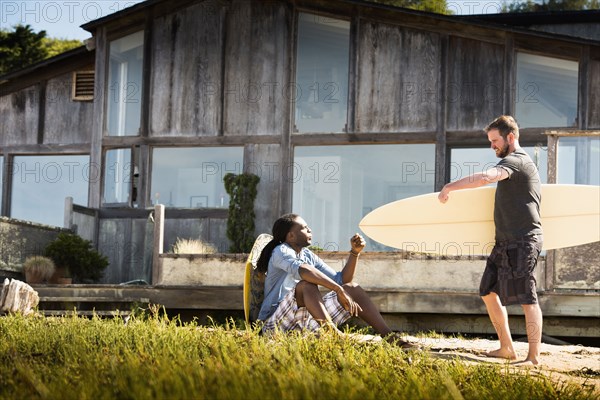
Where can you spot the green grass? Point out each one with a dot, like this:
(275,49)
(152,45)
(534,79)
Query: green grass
(152,357)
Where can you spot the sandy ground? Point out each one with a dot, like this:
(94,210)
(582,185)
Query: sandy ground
(577,364)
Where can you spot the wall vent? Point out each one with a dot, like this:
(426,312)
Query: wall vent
(83,86)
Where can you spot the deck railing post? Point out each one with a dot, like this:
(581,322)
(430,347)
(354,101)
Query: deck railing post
(157,248)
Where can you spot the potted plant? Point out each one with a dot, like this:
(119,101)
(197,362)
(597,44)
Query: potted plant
(82,262)
(38,269)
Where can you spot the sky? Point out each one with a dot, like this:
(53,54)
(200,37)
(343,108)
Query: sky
(62,19)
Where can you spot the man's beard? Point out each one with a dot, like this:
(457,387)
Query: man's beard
(503,152)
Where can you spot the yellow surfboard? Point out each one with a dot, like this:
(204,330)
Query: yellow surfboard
(465,224)
(254,281)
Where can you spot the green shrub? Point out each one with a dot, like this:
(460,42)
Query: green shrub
(240,222)
(83,263)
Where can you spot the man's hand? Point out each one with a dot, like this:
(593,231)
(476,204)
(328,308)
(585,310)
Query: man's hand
(346,301)
(444,195)
(357,243)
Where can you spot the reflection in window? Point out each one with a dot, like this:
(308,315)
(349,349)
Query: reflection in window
(335,186)
(125,85)
(547,92)
(322,74)
(41,183)
(117,177)
(578,160)
(464,162)
(193,177)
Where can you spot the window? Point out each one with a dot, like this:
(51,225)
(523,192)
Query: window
(125,85)
(464,162)
(41,184)
(546,92)
(117,177)
(322,74)
(193,177)
(578,160)
(335,186)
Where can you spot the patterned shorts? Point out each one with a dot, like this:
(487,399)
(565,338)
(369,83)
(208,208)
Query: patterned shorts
(509,271)
(288,316)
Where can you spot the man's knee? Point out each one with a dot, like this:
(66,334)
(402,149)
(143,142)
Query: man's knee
(305,285)
(350,285)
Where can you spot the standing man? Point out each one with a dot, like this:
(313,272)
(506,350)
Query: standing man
(508,277)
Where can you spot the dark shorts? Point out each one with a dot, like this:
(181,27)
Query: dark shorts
(509,271)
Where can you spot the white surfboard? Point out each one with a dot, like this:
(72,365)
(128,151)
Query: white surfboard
(465,224)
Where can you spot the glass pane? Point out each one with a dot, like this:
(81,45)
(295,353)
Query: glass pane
(322,74)
(117,176)
(41,183)
(335,186)
(125,85)
(193,177)
(547,92)
(464,162)
(578,160)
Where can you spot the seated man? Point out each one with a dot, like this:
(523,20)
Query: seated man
(294,274)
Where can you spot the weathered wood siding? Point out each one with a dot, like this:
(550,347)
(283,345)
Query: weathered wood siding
(257,68)
(475,83)
(186,75)
(209,230)
(19,113)
(66,121)
(397,76)
(594,95)
(127,243)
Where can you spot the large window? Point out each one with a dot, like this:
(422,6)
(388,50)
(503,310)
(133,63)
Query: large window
(322,74)
(41,183)
(335,186)
(464,162)
(546,92)
(579,160)
(193,177)
(124,100)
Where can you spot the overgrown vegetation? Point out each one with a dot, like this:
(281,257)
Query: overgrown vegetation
(151,357)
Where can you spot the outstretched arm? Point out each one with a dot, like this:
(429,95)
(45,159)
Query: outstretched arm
(476,180)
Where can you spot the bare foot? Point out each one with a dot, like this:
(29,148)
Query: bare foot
(527,364)
(502,353)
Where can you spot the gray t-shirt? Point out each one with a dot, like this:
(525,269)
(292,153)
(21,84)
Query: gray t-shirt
(518,198)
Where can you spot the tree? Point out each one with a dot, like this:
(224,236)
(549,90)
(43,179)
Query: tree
(59,46)
(551,5)
(435,6)
(22,47)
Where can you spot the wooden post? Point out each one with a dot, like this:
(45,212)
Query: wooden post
(68,217)
(157,248)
